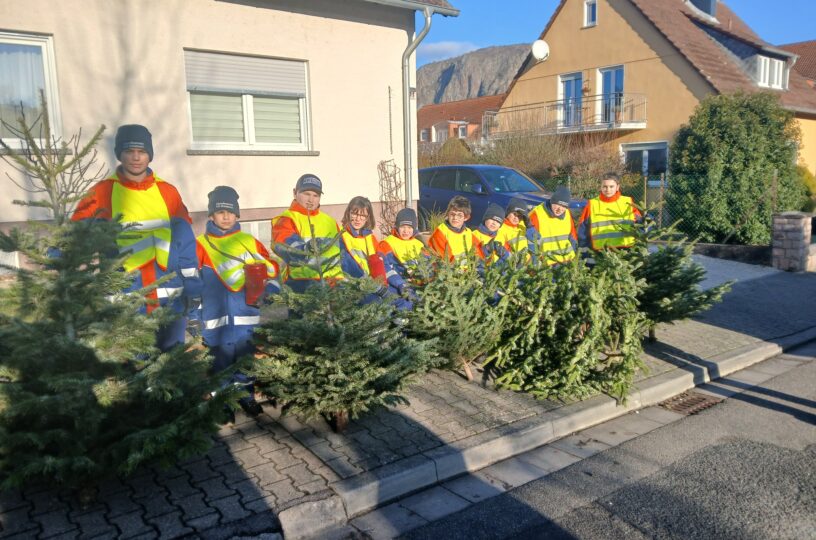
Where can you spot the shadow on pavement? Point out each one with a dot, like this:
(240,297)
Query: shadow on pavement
(210,496)
(767,308)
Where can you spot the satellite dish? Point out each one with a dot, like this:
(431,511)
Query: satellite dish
(541,51)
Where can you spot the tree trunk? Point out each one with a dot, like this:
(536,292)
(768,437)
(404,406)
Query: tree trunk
(652,334)
(339,421)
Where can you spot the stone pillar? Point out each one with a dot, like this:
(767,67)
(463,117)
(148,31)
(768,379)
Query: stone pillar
(791,241)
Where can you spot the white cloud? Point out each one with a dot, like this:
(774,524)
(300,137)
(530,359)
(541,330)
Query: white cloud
(431,52)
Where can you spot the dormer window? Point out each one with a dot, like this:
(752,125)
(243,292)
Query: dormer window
(590,13)
(770,72)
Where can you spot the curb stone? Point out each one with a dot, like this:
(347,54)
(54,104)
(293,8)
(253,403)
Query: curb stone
(309,519)
(370,490)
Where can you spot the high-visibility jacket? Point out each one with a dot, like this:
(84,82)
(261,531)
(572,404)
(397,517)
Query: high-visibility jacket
(356,248)
(512,237)
(490,249)
(399,256)
(229,253)
(160,240)
(295,228)
(449,243)
(551,237)
(227,320)
(612,222)
(147,225)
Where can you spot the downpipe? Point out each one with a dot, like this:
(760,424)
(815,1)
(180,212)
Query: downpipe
(406,103)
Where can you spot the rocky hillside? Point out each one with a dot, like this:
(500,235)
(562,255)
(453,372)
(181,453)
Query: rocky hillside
(483,72)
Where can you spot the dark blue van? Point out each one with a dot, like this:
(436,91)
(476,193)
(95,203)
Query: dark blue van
(481,185)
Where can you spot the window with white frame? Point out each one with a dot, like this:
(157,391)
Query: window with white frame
(463,132)
(647,159)
(590,12)
(425,135)
(770,72)
(27,69)
(247,102)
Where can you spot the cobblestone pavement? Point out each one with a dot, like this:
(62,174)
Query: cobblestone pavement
(260,467)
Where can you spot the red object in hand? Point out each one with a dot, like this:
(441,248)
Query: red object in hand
(254,282)
(376,268)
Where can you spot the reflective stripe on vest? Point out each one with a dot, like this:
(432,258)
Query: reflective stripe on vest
(239,245)
(488,245)
(458,243)
(612,223)
(514,238)
(360,247)
(147,219)
(405,250)
(554,246)
(324,227)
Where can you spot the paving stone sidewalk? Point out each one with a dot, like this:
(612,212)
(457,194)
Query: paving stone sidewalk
(258,468)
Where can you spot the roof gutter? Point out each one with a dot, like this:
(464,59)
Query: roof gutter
(418,6)
(406,102)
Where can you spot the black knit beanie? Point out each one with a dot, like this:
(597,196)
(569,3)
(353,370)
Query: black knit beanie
(133,136)
(223,198)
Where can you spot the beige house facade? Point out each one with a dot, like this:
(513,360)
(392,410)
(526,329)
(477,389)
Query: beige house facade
(247,94)
(636,70)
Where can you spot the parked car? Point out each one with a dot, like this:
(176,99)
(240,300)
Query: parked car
(481,185)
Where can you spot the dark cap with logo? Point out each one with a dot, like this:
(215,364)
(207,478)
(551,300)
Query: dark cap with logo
(561,196)
(518,206)
(133,136)
(309,182)
(223,198)
(494,212)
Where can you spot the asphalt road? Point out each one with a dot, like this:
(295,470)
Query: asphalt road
(743,469)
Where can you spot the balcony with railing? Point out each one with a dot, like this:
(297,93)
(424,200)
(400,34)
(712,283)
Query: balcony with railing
(602,112)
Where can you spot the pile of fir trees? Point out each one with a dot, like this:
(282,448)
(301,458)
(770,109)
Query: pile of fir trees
(84,392)
(336,353)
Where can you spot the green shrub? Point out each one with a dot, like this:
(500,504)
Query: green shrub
(723,165)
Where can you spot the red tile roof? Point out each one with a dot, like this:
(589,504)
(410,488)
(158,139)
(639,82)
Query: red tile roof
(686,31)
(806,65)
(468,110)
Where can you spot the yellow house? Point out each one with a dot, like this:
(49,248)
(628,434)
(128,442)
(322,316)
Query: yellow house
(636,69)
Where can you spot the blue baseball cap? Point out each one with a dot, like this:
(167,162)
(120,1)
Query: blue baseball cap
(309,182)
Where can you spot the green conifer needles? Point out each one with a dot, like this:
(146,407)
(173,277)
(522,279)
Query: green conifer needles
(337,353)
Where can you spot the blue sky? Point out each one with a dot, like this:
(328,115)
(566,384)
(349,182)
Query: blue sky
(483,23)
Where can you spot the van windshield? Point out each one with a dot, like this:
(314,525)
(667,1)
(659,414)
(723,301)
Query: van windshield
(508,180)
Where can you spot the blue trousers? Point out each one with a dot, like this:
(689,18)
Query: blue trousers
(225,355)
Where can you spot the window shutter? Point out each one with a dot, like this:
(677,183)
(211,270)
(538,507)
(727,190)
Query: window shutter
(214,72)
(217,118)
(277,119)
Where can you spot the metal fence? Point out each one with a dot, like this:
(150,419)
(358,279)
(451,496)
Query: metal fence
(684,204)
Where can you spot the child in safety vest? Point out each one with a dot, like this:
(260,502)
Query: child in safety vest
(513,232)
(359,256)
(490,249)
(401,251)
(608,220)
(551,234)
(238,274)
(301,231)
(452,239)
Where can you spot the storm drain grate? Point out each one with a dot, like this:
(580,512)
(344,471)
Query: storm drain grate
(690,403)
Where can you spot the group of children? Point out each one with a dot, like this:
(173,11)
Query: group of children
(546,232)
(306,250)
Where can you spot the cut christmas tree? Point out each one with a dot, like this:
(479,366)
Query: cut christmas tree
(84,392)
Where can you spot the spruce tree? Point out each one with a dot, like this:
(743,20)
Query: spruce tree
(570,331)
(84,392)
(662,260)
(335,354)
(459,309)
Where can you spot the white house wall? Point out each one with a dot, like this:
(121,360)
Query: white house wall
(122,61)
